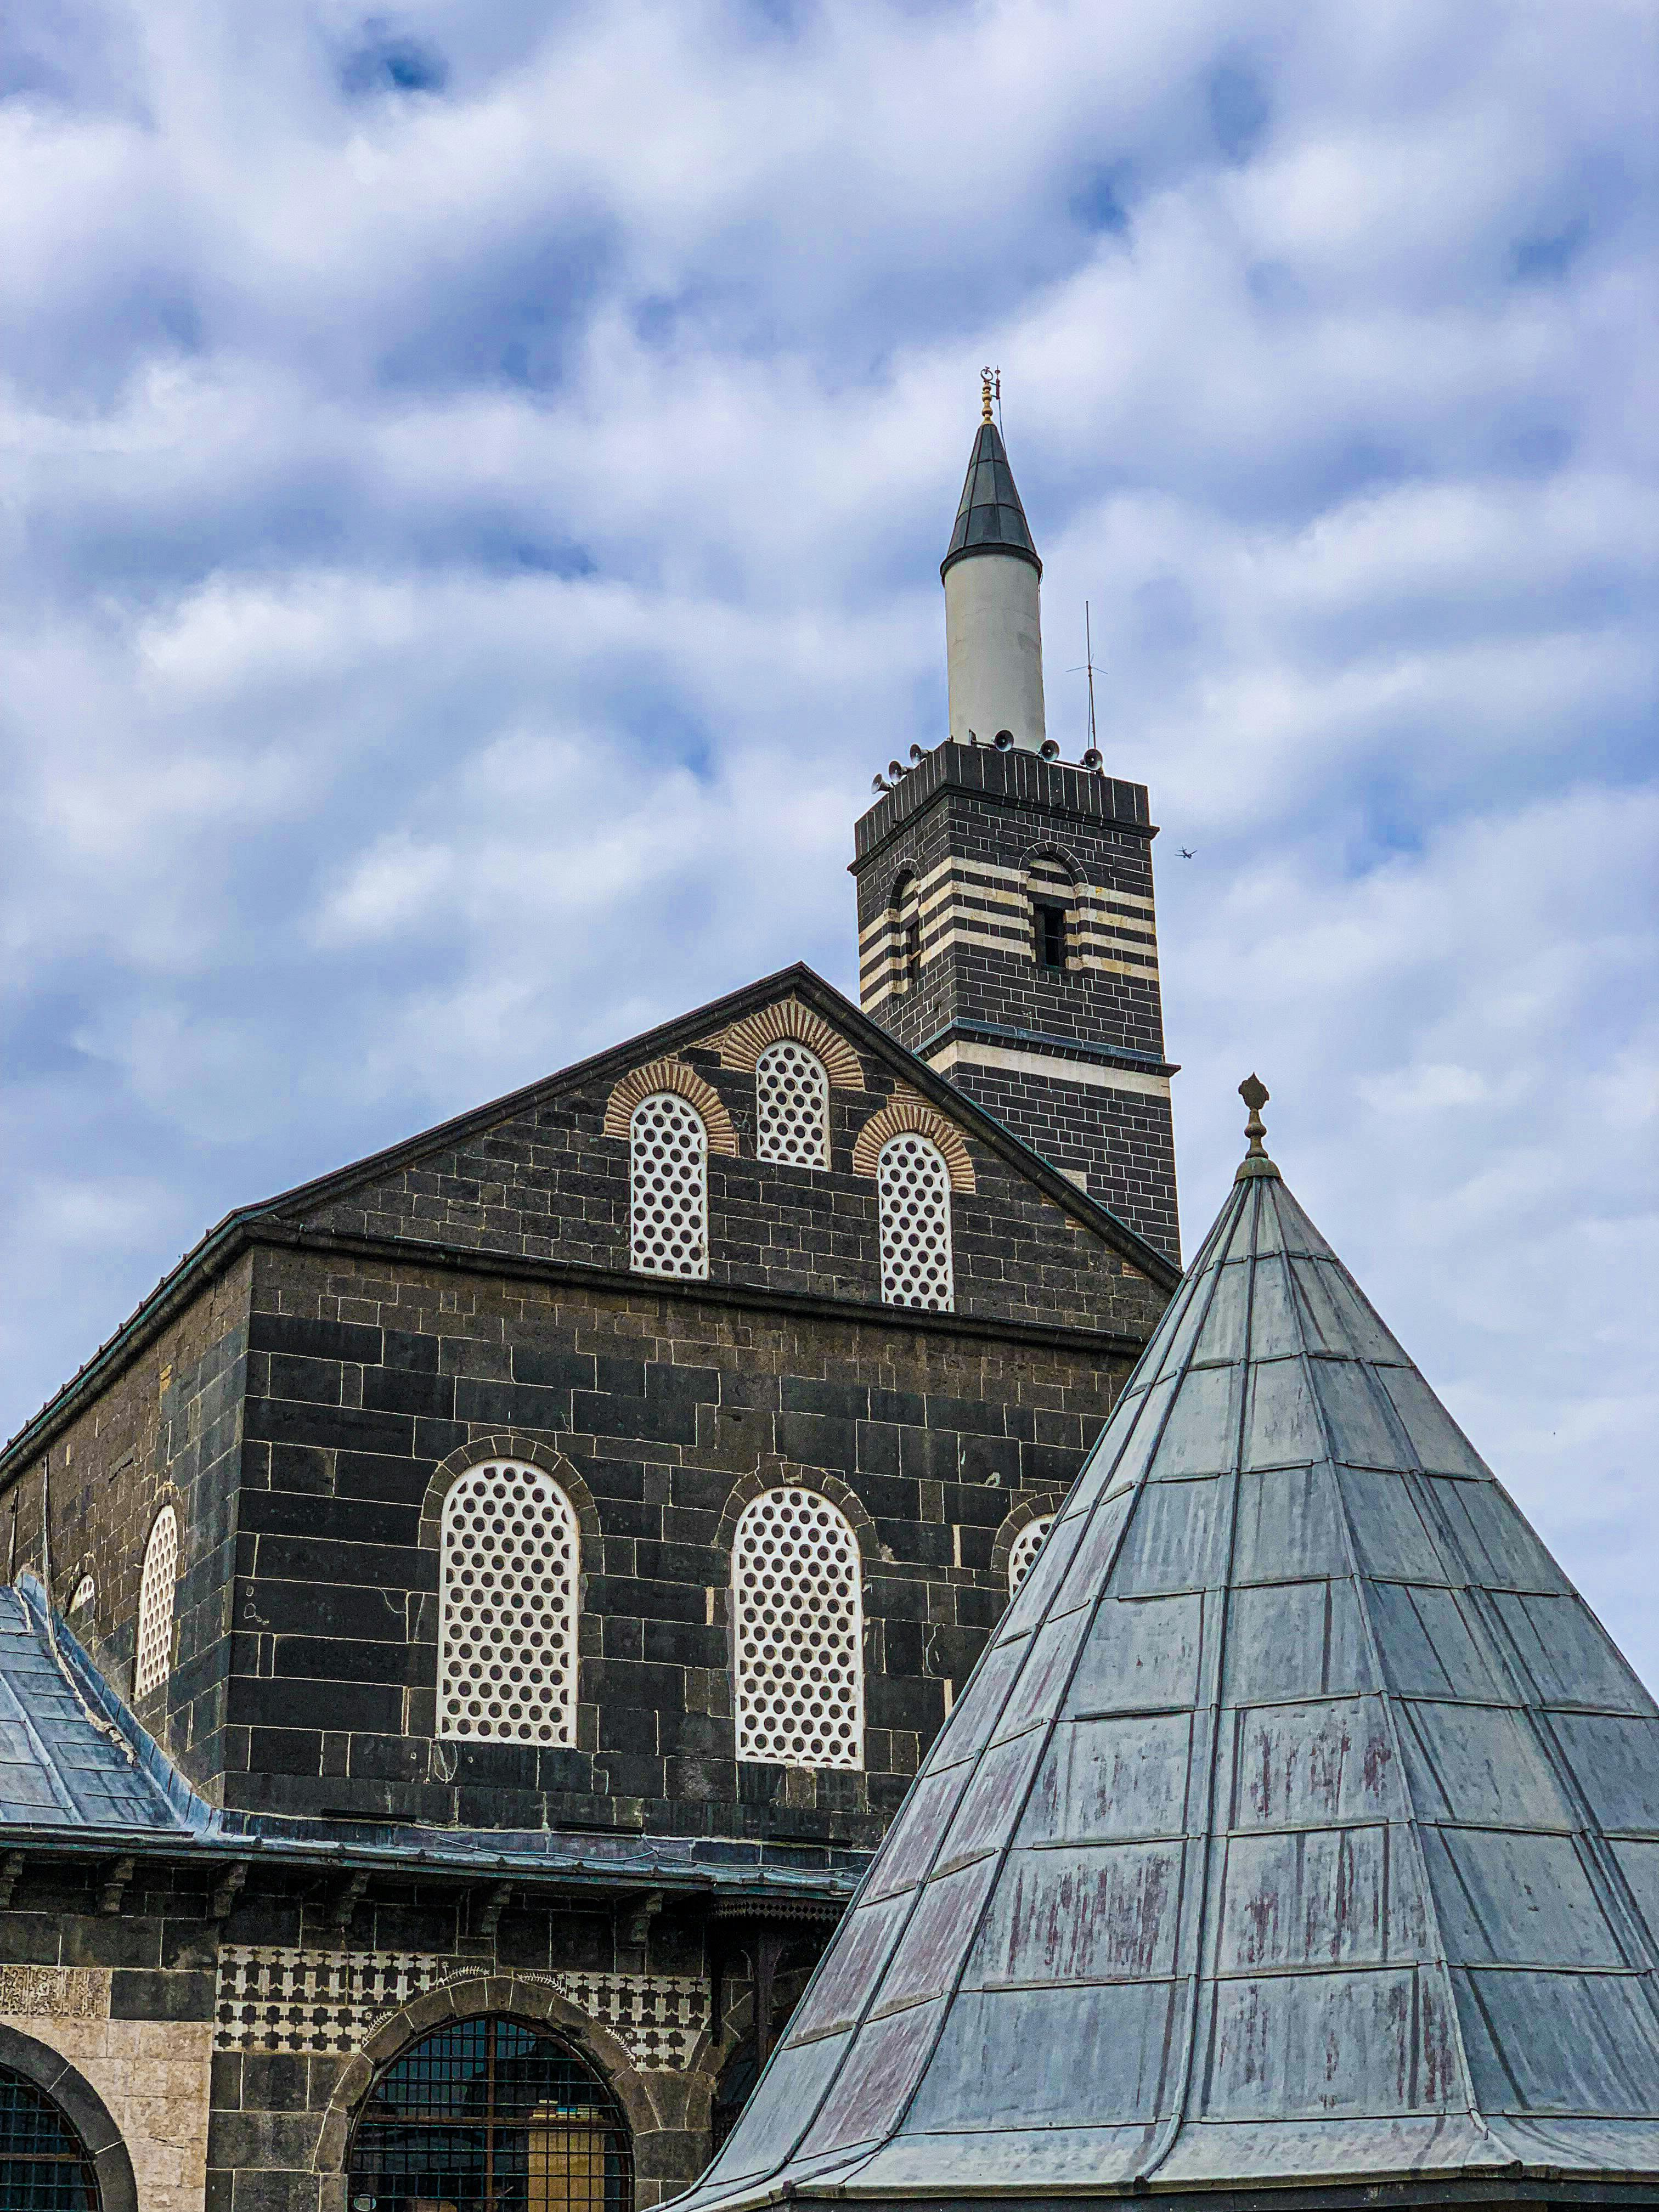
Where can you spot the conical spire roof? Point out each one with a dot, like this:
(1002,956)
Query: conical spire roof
(1300,1824)
(990,519)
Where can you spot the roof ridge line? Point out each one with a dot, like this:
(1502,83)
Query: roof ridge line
(1360,1584)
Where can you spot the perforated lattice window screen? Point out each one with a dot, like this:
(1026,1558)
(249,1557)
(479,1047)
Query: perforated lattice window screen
(668,1167)
(506,1612)
(914,1187)
(800,1632)
(1024,1548)
(791,1105)
(155,1589)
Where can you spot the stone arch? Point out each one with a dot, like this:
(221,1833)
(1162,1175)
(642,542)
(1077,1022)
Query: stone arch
(906,1113)
(772,1472)
(1060,855)
(685,1082)
(86,2112)
(742,1045)
(513,1996)
(1032,1507)
(506,1444)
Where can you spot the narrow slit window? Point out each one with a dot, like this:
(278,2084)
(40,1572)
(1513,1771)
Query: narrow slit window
(912,1188)
(508,1580)
(791,1105)
(799,1616)
(668,1175)
(157,1586)
(1051,935)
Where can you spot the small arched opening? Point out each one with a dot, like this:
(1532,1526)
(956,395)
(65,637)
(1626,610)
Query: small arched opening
(487,2113)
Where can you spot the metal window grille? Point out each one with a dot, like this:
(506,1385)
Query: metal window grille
(507,1613)
(1024,1548)
(791,1105)
(799,1620)
(488,2114)
(44,2166)
(668,1168)
(914,1190)
(155,1589)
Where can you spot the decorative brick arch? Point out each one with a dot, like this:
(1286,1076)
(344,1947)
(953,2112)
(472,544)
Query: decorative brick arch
(1058,856)
(775,1473)
(906,1114)
(86,2112)
(1031,1508)
(507,1444)
(515,1996)
(685,1082)
(742,1045)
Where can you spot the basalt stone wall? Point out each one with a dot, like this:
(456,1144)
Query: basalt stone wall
(222,2040)
(166,1429)
(661,1413)
(547,1182)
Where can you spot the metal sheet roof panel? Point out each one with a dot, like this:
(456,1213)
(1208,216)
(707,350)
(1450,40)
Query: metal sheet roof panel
(1314,1824)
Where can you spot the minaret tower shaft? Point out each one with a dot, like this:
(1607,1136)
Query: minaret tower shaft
(1007,925)
(992,583)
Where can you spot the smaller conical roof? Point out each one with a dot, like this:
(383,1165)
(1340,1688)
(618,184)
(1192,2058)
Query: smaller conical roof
(990,519)
(1299,1828)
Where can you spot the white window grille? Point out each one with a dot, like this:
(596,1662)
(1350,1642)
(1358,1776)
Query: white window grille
(912,1186)
(1023,1550)
(668,1168)
(155,1589)
(791,1105)
(509,1563)
(85,1591)
(799,1621)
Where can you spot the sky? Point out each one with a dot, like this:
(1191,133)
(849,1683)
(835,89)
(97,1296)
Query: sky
(474,480)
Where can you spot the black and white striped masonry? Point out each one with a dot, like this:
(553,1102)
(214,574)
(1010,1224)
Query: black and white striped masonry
(1007,931)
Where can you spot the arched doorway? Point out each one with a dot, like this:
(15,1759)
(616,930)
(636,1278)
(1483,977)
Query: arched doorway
(44,2165)
(488,2114)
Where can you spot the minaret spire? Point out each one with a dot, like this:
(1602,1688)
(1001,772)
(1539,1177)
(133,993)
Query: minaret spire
(993,620)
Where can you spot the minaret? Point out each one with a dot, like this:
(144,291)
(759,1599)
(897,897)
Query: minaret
(992,583)
(1006,917)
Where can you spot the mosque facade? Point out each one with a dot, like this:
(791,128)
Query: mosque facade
(466,1635)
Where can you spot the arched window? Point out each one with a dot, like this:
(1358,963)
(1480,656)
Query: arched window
(155,1589)
(44,2166)
(1052,893)
(86,1593)
(798,1616)
(791,1105)
(668,1175)
(912,1187)
(487,2113)
(508,1583)
(1024,1548)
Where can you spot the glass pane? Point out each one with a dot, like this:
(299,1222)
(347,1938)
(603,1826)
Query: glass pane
(489,2113)
(44,2166)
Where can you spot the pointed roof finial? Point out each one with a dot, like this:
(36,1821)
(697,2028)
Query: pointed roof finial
(1255,1093)
(985,377)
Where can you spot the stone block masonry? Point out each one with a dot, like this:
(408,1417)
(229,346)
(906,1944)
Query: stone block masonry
(954,869)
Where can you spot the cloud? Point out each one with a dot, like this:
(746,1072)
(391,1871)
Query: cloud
(476,483)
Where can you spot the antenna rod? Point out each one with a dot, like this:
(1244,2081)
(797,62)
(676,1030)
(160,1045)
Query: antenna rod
(1088,662)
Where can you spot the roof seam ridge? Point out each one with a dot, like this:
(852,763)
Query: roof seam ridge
(1170,2133)
(1435,1932)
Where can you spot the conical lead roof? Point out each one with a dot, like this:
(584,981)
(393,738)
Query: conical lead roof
(1299,1825)
(990,519)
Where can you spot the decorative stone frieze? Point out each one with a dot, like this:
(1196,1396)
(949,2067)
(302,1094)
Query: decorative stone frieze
(54,1992)
(274,1998)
